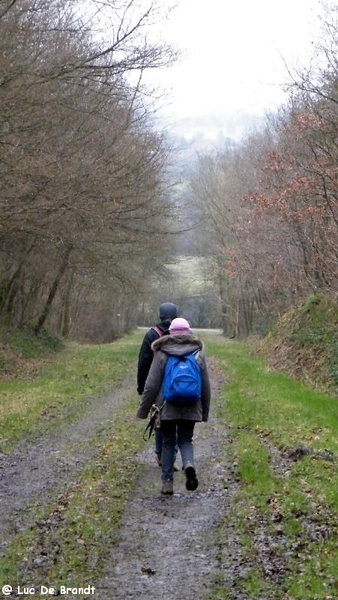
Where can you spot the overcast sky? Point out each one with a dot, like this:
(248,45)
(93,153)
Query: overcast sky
(233,53)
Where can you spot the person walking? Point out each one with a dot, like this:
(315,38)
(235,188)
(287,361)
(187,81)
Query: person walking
(178,417)
(167,312)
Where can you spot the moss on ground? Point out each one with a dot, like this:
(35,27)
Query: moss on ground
(304,343)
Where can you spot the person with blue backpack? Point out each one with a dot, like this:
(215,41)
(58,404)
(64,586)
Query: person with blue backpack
(167,312)
(178,383)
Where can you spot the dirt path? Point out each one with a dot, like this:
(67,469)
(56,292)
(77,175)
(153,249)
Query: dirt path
(166,547)
(34,473)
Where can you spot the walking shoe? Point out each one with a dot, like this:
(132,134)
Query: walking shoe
(158,460)
(168,488)
(192,482)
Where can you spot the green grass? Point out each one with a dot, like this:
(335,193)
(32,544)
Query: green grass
(271,403)
(297,511)
(58,391)
(253,467)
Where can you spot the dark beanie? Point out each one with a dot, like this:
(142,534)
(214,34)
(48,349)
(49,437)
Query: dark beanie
(168,311)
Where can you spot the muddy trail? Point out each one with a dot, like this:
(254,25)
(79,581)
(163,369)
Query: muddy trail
(165,543)
(166,546)
(35,473)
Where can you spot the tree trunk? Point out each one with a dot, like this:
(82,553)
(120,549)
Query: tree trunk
(244,315)
(65,327)
(8,295)
(53,290)
(224,305)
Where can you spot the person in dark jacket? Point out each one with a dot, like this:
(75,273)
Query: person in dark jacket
(176,419)
(167,312)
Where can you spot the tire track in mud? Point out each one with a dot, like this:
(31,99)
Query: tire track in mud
(166,546)
(35,472)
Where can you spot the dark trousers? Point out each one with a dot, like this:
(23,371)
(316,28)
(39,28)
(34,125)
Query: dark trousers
(180,432)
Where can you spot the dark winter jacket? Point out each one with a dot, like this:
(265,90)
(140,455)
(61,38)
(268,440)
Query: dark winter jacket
(146,353)
(177,345)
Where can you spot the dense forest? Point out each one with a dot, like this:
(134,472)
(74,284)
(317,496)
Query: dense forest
(84,198)
(94,211)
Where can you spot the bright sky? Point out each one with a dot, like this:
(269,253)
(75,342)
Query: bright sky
(234,52)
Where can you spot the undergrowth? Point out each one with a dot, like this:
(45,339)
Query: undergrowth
(304,343)
(21,350)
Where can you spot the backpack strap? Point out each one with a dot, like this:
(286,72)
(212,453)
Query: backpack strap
(158,330)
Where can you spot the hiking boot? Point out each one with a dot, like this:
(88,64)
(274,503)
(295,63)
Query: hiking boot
(158,460)
(192,482)
(167,488)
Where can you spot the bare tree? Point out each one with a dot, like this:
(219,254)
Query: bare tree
(82,171)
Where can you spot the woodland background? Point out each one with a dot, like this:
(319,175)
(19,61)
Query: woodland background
(103,216)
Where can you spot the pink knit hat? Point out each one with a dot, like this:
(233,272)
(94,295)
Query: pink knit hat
(179,326)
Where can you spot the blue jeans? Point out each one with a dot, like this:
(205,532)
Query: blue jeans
(180,432)
(159,443)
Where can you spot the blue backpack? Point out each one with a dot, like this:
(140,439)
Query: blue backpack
(182,381)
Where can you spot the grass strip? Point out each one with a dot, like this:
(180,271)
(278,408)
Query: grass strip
(283,513)
(59,389)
